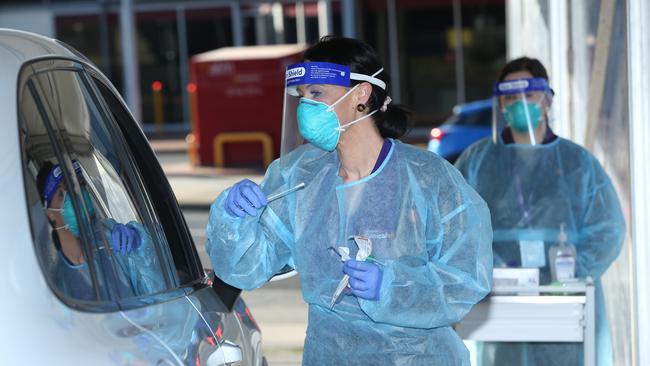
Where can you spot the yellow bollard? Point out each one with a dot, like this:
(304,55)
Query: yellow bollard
(192,143)
(158,112)
(191,93)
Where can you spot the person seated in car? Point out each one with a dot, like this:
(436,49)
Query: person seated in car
(129,257)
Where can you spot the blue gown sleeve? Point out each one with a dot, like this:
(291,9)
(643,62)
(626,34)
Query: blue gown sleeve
(247,252)
(602,230)
(458,274)
(142,265)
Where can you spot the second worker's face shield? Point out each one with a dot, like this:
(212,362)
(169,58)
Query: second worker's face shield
(522,105)
(312,92)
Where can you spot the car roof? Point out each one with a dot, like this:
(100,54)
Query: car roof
(18,47)
(473,107)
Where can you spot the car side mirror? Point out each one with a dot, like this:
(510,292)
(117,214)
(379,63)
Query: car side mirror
(286,272)
(227,354)
(228,294)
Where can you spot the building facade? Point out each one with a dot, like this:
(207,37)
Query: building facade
(439,52)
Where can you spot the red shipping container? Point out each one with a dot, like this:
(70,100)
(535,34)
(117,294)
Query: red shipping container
(239,89)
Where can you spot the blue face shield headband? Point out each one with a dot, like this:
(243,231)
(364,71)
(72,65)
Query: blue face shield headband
(54,179)
(325,73)
(520,86)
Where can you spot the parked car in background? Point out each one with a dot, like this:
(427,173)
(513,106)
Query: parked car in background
(59,110)
(469,123)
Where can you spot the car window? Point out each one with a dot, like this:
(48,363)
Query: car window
(105,242)
(75,276)
(186,260)
(479,117)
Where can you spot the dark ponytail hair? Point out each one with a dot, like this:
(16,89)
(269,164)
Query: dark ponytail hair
(532,65)
(362,59)
(41,177)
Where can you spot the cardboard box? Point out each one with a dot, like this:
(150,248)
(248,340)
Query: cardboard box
(521,277)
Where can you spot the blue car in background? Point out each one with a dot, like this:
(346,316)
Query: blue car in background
(469,123)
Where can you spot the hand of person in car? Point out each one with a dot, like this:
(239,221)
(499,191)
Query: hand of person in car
(124,239)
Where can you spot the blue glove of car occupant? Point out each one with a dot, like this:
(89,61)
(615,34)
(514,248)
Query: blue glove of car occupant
(244,199)
(365,278)
(124,239)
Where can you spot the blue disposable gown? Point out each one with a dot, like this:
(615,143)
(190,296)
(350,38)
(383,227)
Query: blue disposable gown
(531,191)
(429,229)
(127,275)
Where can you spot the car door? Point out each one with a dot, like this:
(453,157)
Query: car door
(131,309)
(231,324)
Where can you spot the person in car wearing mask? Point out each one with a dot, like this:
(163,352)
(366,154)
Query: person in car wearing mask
(134,270)
(538,185)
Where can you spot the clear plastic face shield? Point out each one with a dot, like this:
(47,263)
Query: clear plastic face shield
(522,105)
(307,116)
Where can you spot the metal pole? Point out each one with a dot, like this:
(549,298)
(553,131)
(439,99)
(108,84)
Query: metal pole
(578,75)
(324,17)
(183,64)
(558,32)
(599,69)
(460,59)
(130,64)
(638,46)
(104,37)
(158,103)
(301,29)
(260,26)
(589,340)
(393,50)
(348,13)
(277,11)
(236,24)
(514,15)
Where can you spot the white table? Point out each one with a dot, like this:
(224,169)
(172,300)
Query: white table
(549,317)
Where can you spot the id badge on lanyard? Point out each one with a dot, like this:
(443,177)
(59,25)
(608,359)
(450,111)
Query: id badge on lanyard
(532,253)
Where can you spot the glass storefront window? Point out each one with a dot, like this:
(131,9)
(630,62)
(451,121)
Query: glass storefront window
(611,146)
(429,64)
(158,54)
(426,51)
(83,33)
(97,37)
(484,37)
(427,57)
(208,29)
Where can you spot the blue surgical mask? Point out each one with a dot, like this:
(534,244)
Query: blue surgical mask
(518,113)
(319,124)
(67,211)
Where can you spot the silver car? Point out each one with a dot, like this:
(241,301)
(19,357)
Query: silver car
(98,265)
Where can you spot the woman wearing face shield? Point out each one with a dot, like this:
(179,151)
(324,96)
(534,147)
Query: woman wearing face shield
(430,257)
(535,184)
(130,244)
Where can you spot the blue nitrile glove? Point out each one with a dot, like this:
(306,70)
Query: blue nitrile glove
(124,239)
(244,198)
(365,278)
